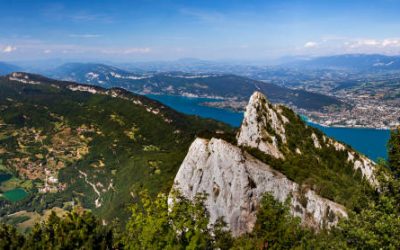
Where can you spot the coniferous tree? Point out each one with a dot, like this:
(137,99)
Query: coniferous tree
(394,152)
(74,231)
(10,238)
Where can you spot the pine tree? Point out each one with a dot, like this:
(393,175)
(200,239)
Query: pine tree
(394,152)
(10,238)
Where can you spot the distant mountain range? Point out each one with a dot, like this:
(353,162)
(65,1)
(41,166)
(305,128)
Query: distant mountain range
(359,62)
(289,82)
(212,85)
(345,61)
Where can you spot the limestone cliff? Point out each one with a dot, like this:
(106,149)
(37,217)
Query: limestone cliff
(262,126)
(235,181)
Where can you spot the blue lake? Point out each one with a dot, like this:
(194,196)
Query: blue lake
(192,106)
(4,177)
(371,142)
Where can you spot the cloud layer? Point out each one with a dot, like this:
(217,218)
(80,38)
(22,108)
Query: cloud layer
(340,45)
(9,49)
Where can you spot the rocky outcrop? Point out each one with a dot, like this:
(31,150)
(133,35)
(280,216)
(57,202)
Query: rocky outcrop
(315,140)
(262,126)
(21,77)
(365,165)
(235,181)
(360,162)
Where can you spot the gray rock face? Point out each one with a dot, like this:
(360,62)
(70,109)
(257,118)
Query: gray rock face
(364,164)
(235,182)
(262,126)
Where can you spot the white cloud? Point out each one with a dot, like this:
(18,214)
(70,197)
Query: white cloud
(47,51)
(391,42)
(310,44)
(9,49)
(373,43)
(136,51)
(347,45)
(362,43)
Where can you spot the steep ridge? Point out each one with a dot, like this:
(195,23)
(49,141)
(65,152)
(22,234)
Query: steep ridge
(276,153)
(263,128)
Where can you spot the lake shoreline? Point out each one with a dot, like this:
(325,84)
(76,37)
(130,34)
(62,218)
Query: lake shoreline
(218,103)
(368,141)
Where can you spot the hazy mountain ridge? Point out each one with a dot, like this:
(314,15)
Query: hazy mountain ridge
(6,68)
(212,85)
(356,62)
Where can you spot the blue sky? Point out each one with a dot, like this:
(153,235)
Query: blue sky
(121,30)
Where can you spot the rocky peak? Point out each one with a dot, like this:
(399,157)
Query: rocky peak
(235,181)
(263,126)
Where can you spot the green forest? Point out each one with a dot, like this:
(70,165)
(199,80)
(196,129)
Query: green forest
(154,224)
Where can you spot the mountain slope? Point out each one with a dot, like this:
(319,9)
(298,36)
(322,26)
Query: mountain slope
(6,68)
(276,152)
(93,73)
(278,132)
(69,144)
(201,85)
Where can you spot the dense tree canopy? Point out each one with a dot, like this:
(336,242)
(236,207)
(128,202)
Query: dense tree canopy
(394,152)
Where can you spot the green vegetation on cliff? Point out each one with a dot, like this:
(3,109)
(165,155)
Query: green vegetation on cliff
(323,169)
